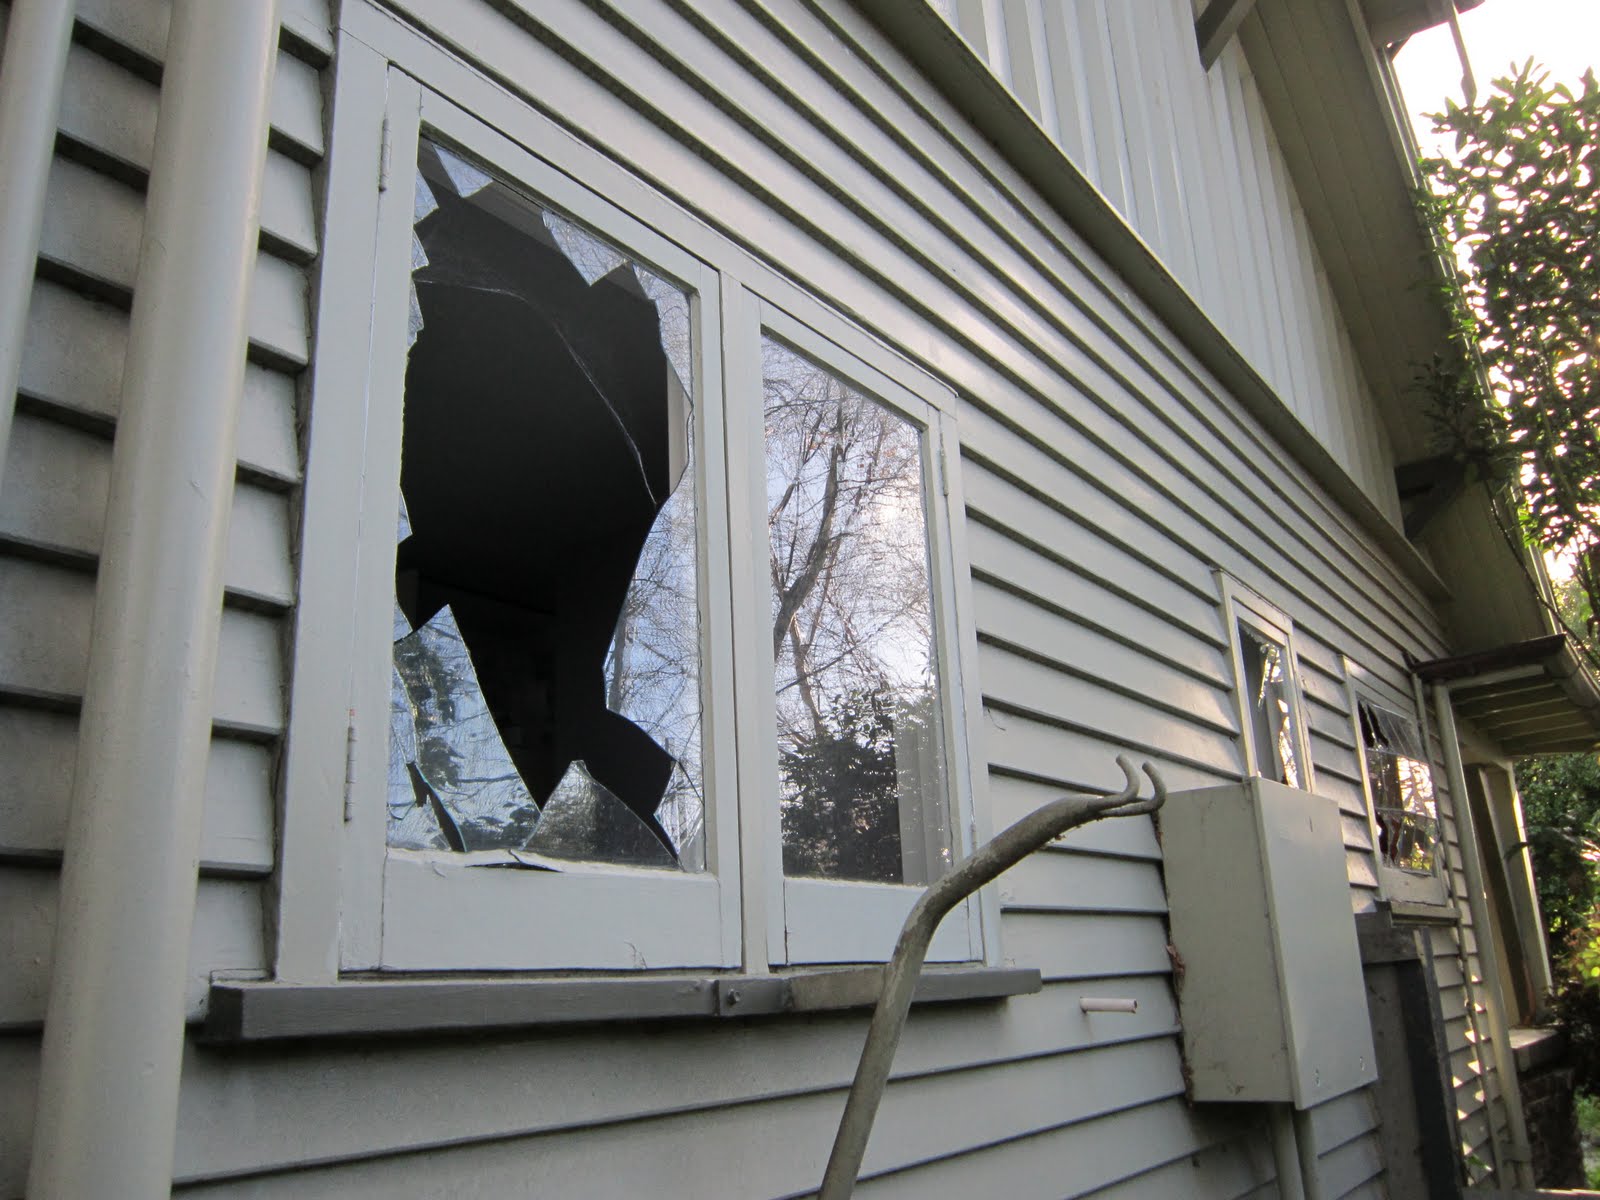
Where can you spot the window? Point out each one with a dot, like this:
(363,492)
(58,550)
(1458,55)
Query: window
(1271,721)
(631,723)
(1402,810)
(855,665)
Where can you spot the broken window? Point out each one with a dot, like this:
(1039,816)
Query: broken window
(860,731)
(1402,789)
(546,684)
(1270,702)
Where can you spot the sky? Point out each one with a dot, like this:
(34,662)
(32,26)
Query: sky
(1563,35)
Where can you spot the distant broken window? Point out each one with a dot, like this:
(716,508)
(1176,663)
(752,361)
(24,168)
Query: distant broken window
(1402,789)
(860,737)
(546,686)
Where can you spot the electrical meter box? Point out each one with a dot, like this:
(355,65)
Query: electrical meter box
(1270,991)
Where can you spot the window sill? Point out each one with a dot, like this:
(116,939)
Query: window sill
(1415,912)
(262,1010)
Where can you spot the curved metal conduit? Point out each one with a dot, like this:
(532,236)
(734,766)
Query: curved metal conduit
(1001,853)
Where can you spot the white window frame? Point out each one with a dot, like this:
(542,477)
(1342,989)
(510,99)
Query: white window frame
(1241,606)
(835,921)
(1395,884)
(346,905)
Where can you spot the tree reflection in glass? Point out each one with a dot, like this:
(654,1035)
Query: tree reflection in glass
(860,741)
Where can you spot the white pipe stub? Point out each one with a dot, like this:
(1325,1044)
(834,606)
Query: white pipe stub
(1107,1004)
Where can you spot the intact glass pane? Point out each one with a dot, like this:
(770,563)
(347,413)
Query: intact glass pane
(1402,790)
(860,737)
(1272,719)
(546,691)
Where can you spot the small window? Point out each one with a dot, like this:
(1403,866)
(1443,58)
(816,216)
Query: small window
(1268,688)
(1401,787)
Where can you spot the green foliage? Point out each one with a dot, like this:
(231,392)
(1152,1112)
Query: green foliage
(1561,810)
(1520,205)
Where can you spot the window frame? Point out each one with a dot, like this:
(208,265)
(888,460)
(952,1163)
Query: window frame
(331,902)
(1396,884)
(813,921)
(1241,606)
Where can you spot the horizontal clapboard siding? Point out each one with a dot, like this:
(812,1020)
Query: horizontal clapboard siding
(56,482)
(229,933)
(1192,162)
(775,1146)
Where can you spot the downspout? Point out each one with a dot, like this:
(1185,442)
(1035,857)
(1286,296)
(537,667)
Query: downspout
(1447,877)
(114,1027)
(1488,955)
(38,35)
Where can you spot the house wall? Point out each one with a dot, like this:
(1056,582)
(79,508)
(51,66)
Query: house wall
(1106,476)
(1191,161)
(54,494)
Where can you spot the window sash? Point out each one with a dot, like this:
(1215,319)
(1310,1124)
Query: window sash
(438,911)
(822,920)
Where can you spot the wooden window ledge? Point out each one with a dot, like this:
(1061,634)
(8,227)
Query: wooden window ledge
(266,1010)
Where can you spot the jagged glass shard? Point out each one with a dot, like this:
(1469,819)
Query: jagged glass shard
(592,258)
(402,628)
(584,822)
(464,177)
(459,757)
(672,306)
(403,525)
(423,202)
(413,318)
(419,259)
(860,741)
(412,826)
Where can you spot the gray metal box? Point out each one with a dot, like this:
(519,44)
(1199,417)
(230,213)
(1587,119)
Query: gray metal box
(1271,996)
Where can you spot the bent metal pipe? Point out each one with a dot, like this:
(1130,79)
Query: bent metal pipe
(987,863)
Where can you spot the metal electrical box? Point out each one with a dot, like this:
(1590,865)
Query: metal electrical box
(1270,991)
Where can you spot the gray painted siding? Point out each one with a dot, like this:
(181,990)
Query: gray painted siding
(53,510)
(1192,163)
(53,502)
(1106,475)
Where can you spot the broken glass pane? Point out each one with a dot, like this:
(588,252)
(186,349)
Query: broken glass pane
(1402,790)
(585,822)
(547,471)
(459,767)
(1272,719)
(860,736)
